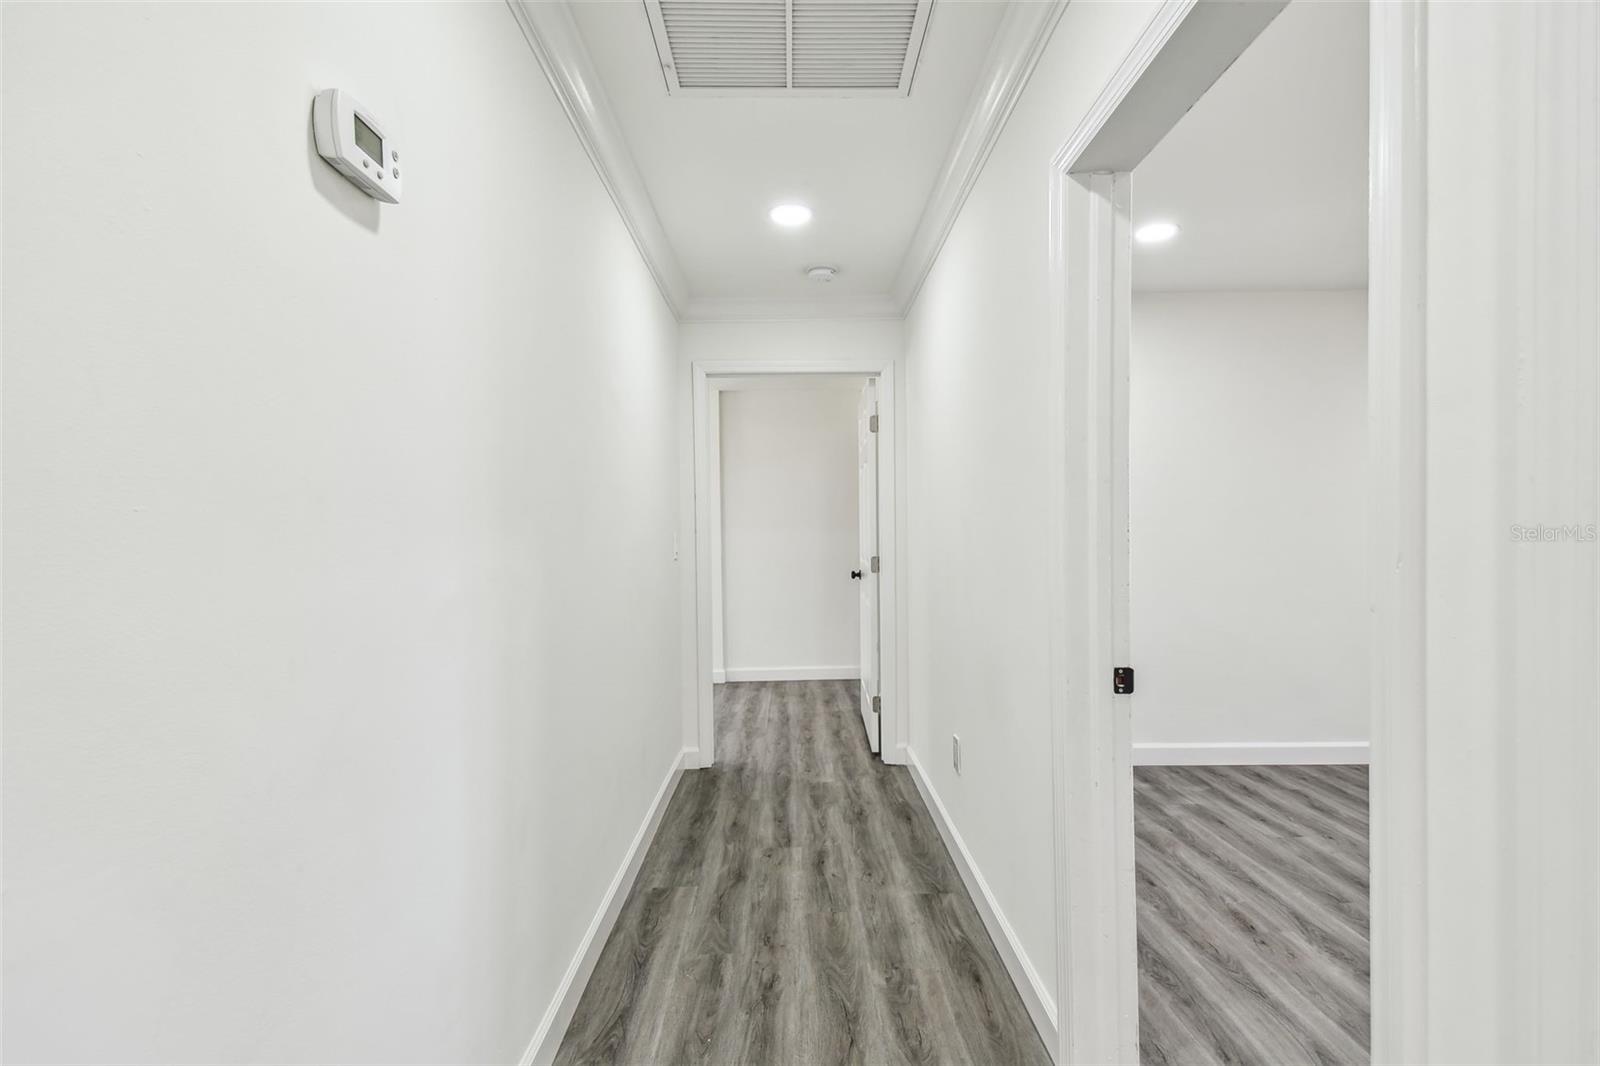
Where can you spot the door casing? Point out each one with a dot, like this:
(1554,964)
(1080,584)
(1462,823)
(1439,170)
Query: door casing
(706,377)
(1090,254)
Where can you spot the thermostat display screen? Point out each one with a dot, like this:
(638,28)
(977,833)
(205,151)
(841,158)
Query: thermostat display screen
(368,141)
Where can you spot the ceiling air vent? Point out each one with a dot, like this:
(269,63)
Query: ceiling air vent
(788,47)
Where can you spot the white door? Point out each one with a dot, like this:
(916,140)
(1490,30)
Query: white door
(867,569)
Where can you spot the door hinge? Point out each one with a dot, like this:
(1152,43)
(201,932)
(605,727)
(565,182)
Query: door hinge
(872,424)
(874,564)
(1122,680)
(877,704)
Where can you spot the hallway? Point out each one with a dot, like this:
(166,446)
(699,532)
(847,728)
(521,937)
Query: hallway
(798,906)
(454,453)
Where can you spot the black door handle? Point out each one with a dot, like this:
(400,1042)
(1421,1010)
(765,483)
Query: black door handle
(855,575)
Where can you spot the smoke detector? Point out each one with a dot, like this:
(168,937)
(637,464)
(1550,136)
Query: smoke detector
(822,273)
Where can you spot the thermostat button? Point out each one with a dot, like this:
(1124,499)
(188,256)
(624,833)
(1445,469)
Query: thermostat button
(394,155)
(396,172)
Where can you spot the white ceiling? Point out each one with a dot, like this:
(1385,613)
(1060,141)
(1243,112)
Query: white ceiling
(1267,175)
(713,166)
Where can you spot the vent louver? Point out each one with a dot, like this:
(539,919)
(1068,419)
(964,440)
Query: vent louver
(788,47)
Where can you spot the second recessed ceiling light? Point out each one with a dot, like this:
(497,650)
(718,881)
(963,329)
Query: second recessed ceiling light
(791,214)
(1155,232)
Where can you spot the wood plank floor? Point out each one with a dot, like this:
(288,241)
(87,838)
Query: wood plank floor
(1253,888)
(798,906)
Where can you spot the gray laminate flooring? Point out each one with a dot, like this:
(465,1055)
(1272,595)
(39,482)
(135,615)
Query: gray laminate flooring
(1252,885)
(798,906)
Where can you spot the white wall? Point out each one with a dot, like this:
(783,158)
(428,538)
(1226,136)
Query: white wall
(1248,496)
(977,345)
(1486,861)
(789,533)
(338,540)
(780,341)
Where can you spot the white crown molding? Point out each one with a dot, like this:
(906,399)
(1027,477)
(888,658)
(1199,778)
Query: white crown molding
(740,309)
(553,35)
(1017,46)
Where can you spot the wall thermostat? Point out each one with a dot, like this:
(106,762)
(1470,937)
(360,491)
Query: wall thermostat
(357,144)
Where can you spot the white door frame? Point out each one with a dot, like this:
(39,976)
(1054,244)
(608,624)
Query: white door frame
(1397,451)
(706,375)
(1090,258)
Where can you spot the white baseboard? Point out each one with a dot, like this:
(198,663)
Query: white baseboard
(553,1026)
(1041,1008)
(718,676)
(792,673)
(1254,753)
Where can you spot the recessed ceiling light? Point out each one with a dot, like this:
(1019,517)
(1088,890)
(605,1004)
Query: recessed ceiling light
(822,273)
(1155,232)
(791,214)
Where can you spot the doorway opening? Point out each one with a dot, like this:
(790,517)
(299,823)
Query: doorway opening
(794,537)
(1247,555)
(1184,51)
